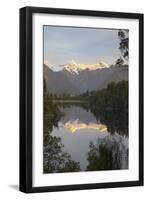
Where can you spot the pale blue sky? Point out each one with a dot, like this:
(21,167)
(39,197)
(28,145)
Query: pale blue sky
(83,45)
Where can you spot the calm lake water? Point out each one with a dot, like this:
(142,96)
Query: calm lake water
(96,140)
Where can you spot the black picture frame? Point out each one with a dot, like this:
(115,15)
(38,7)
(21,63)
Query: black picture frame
(26,14)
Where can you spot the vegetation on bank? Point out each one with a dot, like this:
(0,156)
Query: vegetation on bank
(50,108)
(65,97)
(114,97)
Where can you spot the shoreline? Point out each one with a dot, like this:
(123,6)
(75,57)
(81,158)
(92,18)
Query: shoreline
(70,101)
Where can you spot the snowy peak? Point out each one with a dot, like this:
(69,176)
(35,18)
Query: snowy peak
(76,68)
(72,67)
(56,68)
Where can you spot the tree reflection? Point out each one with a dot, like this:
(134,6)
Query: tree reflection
(110,153)
(54,157)
(116,121)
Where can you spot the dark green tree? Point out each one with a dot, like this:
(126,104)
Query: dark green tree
(114,97)
(109,153)
(123,36)
(44,87)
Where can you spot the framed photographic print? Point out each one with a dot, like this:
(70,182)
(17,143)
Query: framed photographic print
(81,99)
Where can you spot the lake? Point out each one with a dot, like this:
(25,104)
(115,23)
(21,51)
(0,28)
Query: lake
(96,140)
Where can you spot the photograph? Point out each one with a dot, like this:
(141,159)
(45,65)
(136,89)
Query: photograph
(85,99)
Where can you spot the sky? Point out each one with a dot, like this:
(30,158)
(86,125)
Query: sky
(83,45)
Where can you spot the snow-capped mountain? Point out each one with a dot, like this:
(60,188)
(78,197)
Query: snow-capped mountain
(56,68)
(76,68)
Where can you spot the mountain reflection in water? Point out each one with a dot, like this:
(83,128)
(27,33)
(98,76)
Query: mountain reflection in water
(75,125)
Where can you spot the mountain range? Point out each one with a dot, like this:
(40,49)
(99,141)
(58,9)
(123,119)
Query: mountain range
(75,78)
(76,68)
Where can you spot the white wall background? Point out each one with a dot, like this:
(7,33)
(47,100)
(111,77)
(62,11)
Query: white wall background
(9,99)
